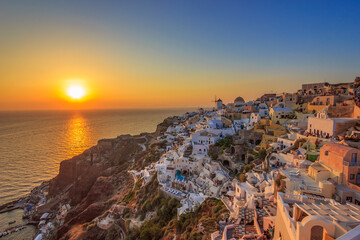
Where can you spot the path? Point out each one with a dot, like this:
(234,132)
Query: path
(135,179)
(142,145)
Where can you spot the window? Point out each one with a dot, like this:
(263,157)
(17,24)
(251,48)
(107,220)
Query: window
(352,176)
(326,153)
(354,157)
(349,199)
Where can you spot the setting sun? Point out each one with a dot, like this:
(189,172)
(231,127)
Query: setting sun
(76,92)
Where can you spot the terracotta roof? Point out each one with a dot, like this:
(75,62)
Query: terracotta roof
(336,148)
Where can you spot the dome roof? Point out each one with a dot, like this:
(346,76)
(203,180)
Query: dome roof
(239,100)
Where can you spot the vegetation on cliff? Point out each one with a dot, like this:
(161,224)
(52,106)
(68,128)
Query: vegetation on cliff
(219,147)
(199,224)
(149,199)
(159,213)
(224,143)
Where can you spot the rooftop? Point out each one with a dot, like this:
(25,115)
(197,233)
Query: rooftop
(301,176)
(346,213)
(338,149)
(282,109)
(318,167)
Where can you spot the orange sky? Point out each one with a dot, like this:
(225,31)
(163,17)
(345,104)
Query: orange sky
(164,55)
(39,71)
(36,73)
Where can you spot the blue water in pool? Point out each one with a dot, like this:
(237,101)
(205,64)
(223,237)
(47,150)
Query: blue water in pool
(179,176)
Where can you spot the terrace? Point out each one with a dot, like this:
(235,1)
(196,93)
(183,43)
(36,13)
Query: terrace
(301,181)
(174,193)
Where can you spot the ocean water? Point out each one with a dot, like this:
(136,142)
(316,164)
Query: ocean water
(32,144)
(26,234)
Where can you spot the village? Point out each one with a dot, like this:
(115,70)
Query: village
(286,166)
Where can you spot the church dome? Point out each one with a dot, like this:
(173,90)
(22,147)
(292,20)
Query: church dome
(239,100)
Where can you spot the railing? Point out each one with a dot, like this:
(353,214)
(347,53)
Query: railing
(256,223)
(292,196)
(226,204)
(312,188)
(351,164)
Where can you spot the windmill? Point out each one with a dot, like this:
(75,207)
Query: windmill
(215,101)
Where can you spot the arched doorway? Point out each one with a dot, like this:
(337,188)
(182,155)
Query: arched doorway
(317,233)
(226,163)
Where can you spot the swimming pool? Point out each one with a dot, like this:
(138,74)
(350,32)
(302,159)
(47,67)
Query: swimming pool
(178,175)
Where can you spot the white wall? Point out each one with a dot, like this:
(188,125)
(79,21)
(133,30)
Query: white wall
(324,125)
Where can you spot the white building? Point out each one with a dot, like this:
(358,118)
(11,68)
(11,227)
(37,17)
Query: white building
(301,217)
(325,127)
(219,104)
(287,140)
(242,124)
(165,167)
(214,124)
(254,118)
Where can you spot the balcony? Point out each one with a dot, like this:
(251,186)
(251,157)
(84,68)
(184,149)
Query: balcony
(352,164)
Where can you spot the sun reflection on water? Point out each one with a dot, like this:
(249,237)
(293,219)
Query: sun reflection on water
(77,136)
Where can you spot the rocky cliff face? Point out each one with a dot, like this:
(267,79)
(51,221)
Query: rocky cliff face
(91,181)
(97,179)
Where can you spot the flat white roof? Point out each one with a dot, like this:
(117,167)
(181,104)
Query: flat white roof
(346,213)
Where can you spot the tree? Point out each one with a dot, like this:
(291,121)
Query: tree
(248,167)
(224,142)
(262,154)
(278,182)
(242,177)
(113,232)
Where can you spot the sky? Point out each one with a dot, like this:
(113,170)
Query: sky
(165,54)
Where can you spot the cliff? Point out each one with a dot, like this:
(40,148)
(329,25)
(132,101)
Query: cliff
(98,179)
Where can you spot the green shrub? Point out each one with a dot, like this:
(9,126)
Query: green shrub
(262,154)
(242,177)
(278,182)
(248,167)
(113,232)
(224,142)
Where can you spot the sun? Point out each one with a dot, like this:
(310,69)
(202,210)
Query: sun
(76,92)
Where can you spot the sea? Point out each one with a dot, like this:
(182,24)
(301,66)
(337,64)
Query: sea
(33,143)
